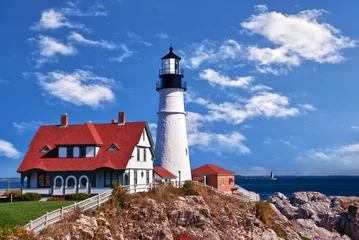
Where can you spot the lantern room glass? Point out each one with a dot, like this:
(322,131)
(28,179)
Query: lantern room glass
(171,66)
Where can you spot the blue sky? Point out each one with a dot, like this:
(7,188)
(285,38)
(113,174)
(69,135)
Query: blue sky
(271,85)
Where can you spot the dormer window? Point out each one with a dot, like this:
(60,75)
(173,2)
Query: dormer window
(45,149)
(113,147)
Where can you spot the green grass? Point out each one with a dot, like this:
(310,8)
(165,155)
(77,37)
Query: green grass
(20,213)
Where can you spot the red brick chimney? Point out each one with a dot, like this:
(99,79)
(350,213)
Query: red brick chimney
(64,120)
(121,118)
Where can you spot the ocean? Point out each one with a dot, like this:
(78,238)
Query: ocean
(328,185)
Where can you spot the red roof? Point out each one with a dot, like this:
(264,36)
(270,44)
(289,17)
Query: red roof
(163,173)
(210,169)
(125,136)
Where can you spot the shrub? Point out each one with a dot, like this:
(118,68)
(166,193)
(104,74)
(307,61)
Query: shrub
(120,194)
(30,197)
(188,189)
(52,199)
(76,196)
(15,192)
(17,232)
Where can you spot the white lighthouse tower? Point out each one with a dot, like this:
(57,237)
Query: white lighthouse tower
(171,140)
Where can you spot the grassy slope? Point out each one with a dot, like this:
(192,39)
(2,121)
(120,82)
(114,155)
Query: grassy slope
(20,213)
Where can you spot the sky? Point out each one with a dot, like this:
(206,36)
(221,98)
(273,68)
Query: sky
(272,85)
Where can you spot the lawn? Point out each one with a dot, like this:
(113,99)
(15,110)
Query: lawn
(20,213)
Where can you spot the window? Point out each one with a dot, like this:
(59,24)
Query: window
(83,182)
(147,176)
(142,174)
(186,152)
(58,182)
(108,179)
(135,177)
(138,154)
(144,154)
(70,152)
(71,182)
(144,136)
(222,181)
(112,148)
(82,152)
(43,180)
(45,149)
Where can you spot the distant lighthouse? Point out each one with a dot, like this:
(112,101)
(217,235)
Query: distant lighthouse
(171,140)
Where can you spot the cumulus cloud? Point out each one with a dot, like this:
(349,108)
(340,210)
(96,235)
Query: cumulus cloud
(215,78)
(342,160)
(8,150)
(49,48)
(137,38)
(209,52)
(25,126)
(79,87)
(296,37)
(78,38)
(55,18)
(307,107)
(126,53)
(261,8)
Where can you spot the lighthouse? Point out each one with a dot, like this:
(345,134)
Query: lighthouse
(171,140)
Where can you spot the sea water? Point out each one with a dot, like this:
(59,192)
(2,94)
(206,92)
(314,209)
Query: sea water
(14,183)
(328,185)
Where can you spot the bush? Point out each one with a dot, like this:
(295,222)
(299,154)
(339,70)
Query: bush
(52,199)
(188,189)
(76,196)
(120,194)
(17,232)
(15,192)
(30,197)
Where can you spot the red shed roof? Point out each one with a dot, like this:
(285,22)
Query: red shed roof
(210,169)
(125,136)
(164,173)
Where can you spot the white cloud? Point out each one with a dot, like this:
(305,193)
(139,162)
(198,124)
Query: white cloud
(153,129)
(162,35)
(209,52)
(285,142)
(126,54)
(76,37)
(296,38)
(8,150)
(261,8)
(3,81)
(24,126)
(53,19)
(342,160)
(138,38)
(215,78)
(79,88)
(218,143)
(57,18)
(49,48)
(307,107)
(354,127)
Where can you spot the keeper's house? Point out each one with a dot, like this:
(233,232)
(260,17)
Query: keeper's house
(88,158)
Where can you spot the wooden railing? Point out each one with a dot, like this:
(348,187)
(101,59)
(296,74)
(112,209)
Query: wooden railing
(93,202)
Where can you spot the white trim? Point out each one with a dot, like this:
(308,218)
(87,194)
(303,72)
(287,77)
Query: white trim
(62,181)
(67,179)
(87,183)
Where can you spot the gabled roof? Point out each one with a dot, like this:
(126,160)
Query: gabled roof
(125,136)
(164,173)
(210,169)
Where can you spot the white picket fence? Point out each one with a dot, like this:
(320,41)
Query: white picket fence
(93,202)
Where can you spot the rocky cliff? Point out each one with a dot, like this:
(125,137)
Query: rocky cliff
(198,213)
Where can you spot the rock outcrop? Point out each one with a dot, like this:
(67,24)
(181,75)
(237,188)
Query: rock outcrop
(316,216)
